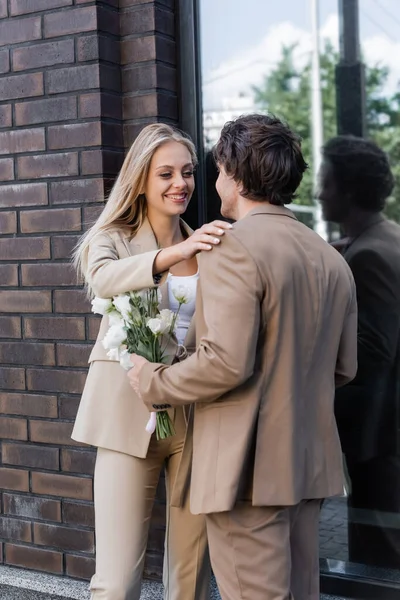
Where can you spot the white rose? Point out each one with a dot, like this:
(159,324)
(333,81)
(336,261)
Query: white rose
(142,294)
(156,325)
(100,306)
(114,337)
(113,354)
(114,318)
(167,317)
(125,360)
(182,294)
(122,304)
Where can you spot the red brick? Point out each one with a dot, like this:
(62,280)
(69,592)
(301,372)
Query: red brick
(4,61)
(31,248)
(69,22)
(27,353)
(108,20)
(21,86)
(62,247)
(73,78)
(77,513)
(13,429)
(63,538)
(102,161)
(78,461)
(22,140)
(48,274)
(14,479)
(94,325)
(46,110)
(48,165)
(15,530)
(5,115)
(150,47)
(90,105)
(64,486)
(26,194)
(54,328)
(110,77)
(51,380)
(51,432)
(148,105)
(8,221)
(87,48)
(74,135)
(68,407)
(10,327)
(28,557)
(32,508)
(92,162)
(26,301)
(140,77)
(112,135)
(73,355)
(3,13)
(95,47)
(81,567)
(6,169)
(31,456)
(65,219)
(91,214)
(44,54)
(76,191)
(30,405)
(13,31)
(132,130)
(8,274)
(138,21)
(12,378)
(21,7)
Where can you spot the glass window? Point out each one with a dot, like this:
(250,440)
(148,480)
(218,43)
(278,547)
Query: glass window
(255,57)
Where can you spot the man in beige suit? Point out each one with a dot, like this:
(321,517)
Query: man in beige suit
(276,333)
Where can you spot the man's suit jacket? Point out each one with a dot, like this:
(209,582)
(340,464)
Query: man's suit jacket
(367,408)
(276,325)
(110,414)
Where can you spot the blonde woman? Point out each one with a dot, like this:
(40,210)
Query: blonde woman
(140,241)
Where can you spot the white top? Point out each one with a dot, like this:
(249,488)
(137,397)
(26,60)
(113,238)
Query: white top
(186,285)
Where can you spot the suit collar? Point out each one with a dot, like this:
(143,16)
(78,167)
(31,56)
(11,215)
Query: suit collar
(145,237)
(265,208)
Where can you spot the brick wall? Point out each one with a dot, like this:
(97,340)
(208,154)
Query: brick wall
(78,79)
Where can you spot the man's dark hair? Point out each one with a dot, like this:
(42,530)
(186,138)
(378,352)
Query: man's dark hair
(360,168)
(264,156)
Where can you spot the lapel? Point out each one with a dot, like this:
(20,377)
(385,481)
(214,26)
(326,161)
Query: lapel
(265,208)
(145,241)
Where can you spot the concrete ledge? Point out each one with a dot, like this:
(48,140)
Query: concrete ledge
(19,584)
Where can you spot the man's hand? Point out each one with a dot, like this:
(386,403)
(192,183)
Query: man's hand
(138,363)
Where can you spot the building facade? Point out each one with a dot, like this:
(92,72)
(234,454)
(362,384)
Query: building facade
(78,80)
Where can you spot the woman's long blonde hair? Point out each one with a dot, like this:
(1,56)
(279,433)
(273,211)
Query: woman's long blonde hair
(126,205)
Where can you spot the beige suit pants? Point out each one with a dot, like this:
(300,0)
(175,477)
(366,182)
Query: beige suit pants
(265,553)
(124,493)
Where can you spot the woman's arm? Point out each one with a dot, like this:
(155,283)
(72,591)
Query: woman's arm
(108,275)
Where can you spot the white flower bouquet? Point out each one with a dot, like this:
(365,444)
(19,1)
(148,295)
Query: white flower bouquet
(136,325)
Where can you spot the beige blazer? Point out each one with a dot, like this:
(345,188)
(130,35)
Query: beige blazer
(110,415)
(276,325)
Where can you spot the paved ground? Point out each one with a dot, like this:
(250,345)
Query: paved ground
(333,530)
(333,544)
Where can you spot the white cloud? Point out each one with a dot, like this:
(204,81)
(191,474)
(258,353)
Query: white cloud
(237,75)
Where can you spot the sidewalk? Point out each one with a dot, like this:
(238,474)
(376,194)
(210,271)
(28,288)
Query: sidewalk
(18,584)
